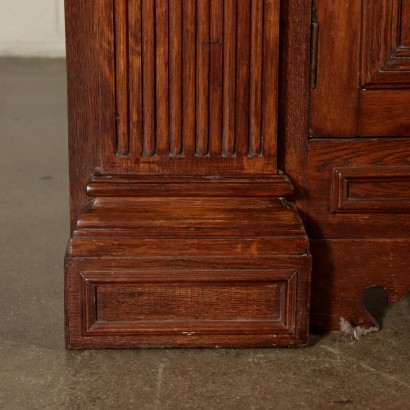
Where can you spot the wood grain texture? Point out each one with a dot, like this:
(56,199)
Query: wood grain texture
(202,78)
(384,113)
(364,39)
(165,297)
(242,77)
(216,77)
(121,77)
(139,301)
(371,189)
(293,110)
(187,239)
(256,73)
(339,282)
(135,78)
(199,216)
(405,26)
(334,102)
(162,76)
(359,218)
(385,55)
(175,73)
(273,330)
(148,64)
(357,189)
(84,66)
(270,78)
(326,157)
(209,107)
(166,244)
(229,85)
(194,186)
(188,76)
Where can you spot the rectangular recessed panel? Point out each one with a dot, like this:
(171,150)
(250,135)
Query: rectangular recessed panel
(405,24)
(371,189)
(188,302)
(359,189)
(169,302)
(382,190)
(385,44)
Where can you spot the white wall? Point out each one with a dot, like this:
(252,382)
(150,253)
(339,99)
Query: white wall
(32,28)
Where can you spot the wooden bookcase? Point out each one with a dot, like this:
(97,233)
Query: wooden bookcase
(204,136)
(184,232)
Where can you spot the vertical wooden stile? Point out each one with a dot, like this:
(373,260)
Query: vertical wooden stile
(121,77)
(162,85)
(202,80)
(242,77)
(148,69)
(135,78)
(270,78)
(229,80)
(175,76)
(216,77)
(189,76)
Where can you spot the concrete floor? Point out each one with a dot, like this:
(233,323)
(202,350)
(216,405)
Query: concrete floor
(37,373)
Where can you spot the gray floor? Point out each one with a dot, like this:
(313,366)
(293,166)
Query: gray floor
(37,373)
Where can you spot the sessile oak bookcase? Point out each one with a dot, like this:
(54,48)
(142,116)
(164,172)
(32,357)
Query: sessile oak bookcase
(208,141)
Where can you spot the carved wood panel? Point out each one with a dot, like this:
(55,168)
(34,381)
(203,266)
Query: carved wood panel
(151,303)
(359,189)
(195,86)
(363,69)
(370,189)
(386,44)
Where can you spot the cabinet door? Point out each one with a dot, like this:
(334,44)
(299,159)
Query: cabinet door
(363,69)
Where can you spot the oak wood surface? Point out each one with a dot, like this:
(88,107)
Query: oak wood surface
(384,113)
(385,157)
(287,329)
(240,256)
(334,102)
(193,82)
(293,109)
(83,96)
(186,118)
(358,207)
(385,51)
(359,220)
(363,70)
(343,269)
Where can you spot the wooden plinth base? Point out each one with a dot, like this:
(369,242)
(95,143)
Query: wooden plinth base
(187,263)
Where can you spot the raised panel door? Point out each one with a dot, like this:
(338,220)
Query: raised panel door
(363,74)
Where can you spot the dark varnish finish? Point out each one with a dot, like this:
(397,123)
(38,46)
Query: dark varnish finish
(359,222)
(181,286)
(83,94)
(343,269)
(188,126)
(367,92)
(203,76)
(186,238)
(358,190)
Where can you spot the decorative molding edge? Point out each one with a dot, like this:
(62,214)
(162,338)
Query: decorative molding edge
(370,189)
(213,185)
(283,319)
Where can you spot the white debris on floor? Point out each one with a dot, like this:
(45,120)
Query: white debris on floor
(355,333)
